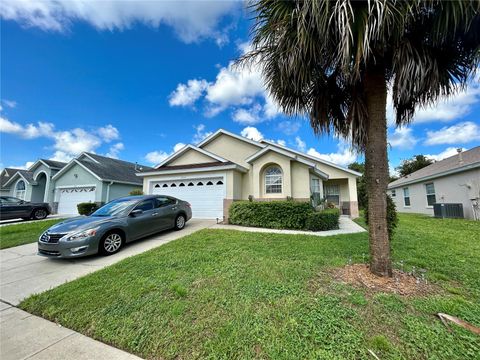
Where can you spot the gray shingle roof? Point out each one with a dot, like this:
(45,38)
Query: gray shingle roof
(3,176)
(469,158)
(114,169)
(53,163)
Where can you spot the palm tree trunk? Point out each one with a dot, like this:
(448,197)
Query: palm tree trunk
(376,164)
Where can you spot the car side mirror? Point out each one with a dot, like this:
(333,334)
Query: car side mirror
(136,212)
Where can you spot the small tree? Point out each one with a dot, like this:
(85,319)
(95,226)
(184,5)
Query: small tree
(136,192)
(411,165)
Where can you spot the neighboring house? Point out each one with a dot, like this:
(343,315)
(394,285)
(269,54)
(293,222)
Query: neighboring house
(34,184)
(226,167)
(452,180)
(93,178)
(6,175)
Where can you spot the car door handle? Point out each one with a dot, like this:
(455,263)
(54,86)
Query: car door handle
(154,214)
(174,208)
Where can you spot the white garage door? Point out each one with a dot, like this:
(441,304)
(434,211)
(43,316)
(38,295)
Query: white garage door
(204,194)
(70,197)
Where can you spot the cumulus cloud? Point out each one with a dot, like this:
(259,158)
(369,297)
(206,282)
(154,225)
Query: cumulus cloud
(460,133)
(156,157)
(344,156)
(402,138)
(187,94)
(115,149)
(248,116)
(301,145)
(252,133)
(289,127)
(9,103)
(200,133)
(66,143)
(197,20)
(450,151)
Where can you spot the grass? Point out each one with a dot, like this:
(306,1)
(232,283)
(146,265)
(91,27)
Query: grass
(23,233)
(221,294)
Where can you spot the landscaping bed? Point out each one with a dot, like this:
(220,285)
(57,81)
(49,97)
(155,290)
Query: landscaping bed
(236,295)
(23,233)
(285,215)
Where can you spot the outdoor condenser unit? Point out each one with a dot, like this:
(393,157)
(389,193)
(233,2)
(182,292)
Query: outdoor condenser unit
(448,210)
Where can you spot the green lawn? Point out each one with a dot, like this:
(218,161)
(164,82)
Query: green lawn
(23,233)
(238,295)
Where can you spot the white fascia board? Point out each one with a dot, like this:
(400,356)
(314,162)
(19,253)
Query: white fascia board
(320,173)
(87,155)
(314,158)
(225,132)
(190,147)
(434,176)
(70,164)
(193,170)
(14,176)
(283,152)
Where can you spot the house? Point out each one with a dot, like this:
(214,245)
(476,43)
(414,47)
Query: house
(226,167)
(452,180)
(93,178)
(34,184)
(6,175)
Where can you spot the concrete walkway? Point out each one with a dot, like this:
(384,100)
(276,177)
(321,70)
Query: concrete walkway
(23,273)
(346,226)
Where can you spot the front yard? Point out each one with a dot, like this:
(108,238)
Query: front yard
(23,233)
(235,295)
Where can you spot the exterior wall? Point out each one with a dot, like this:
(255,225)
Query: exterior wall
(191,157)
(45,194)
(28,189)
(232,149)
(117,190)
(456,188)
(259,167)
(77,176)
(300,181)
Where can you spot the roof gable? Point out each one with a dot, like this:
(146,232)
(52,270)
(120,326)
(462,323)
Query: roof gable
(186,149)
(24,174)
(221,132)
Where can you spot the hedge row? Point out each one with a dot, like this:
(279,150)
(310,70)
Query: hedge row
(290,215)
(86,208)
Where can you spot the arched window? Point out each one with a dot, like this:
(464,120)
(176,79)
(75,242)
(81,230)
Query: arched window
(157,186)
(209,183)
(273,180)
(20,190)
(181,184)
(191,184)
(173,185)
(164,185)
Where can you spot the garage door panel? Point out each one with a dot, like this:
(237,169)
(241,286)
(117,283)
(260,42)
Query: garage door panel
(206,200)
(69,198)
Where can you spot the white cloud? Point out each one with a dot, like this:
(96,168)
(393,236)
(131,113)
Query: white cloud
(178,146)
(252,133)
(30,131)
(156,157)
(289,127)
(187,94)
(200,133)
(344,156)
(248,116)
(301,145)
(9,103)
(281,142)
(460,133)
(25,166)
(9,127)
(191,22)
(402,138)
(444,154)
(109,133)
(114,150)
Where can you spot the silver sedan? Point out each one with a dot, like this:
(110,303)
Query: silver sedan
(114,224)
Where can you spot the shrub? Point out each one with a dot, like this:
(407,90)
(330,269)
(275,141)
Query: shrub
(392,218)
(86,208)
(136,192)
(323,220)
(270,214)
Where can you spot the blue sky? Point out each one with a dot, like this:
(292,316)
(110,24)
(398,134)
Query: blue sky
(136,80)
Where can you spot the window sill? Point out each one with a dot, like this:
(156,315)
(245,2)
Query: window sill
(406,207)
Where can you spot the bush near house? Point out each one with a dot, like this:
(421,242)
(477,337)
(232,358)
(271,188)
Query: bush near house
(323,220)
(392,217)
(282,215)
(136,192)
(86,208)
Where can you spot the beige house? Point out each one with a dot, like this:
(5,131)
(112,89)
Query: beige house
(226,167)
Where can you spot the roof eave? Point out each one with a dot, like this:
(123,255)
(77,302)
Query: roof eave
(202,169)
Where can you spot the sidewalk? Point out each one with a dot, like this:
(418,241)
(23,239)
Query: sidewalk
(26,336)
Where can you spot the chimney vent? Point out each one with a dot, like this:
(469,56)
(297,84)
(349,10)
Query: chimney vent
(460,157)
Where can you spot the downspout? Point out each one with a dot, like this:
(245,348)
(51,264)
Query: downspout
(108,192)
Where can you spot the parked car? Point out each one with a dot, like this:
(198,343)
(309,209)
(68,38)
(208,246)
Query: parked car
(14,208)
(107,229)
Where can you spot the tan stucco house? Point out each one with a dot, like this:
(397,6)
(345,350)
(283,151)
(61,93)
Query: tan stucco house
(226,167)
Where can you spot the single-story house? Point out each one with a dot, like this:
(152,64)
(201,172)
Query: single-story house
(226,167)
(455,179)
(35,183)
(93,178)
(5,175)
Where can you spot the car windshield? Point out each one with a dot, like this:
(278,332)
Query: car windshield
(116,207)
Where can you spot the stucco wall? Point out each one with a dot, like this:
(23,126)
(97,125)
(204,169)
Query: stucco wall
(300,180)
(232,149)
(448,189)
(259,167)
(117,190)
(191,157)
(77,176)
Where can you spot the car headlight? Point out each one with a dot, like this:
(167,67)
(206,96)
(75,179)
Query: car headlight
(83,234)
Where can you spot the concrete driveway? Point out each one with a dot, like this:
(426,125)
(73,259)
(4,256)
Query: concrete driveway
(23,272)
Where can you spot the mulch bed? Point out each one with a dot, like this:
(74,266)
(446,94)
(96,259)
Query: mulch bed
(400,283)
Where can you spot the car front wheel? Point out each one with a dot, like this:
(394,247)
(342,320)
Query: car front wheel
(111,243)
(39,214)
(180,222)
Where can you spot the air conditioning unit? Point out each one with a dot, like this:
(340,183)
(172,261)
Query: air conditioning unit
(453,211)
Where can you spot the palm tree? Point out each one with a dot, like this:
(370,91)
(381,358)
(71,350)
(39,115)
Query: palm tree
(336,60)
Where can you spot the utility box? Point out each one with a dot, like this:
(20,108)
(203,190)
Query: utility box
(451,211)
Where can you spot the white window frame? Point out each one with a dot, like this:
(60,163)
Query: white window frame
(406,194)
(272,180)
(327,190)
(21,193)
(427,194)
(393,193)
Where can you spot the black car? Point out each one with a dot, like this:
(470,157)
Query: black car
(14,208)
